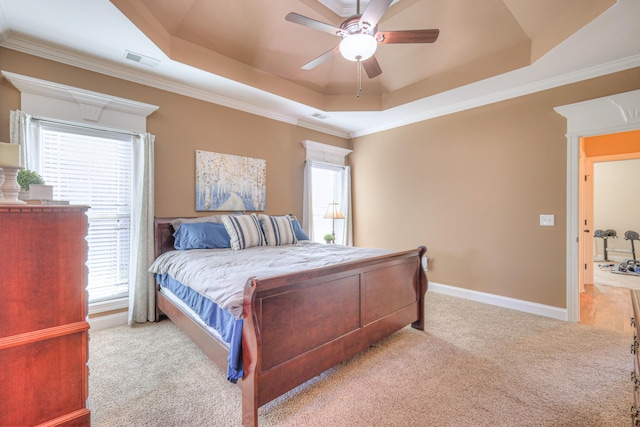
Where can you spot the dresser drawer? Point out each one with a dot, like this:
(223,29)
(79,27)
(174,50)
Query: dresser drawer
(635,352)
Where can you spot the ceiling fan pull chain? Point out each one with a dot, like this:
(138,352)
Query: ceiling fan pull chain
(359,79)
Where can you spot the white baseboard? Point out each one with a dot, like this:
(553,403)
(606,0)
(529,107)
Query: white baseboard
(108,321)
(500,301)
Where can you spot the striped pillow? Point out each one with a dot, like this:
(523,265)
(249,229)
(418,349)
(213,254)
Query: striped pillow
(278,230)
(244,231)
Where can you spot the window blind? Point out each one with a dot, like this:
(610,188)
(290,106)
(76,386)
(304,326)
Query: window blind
(93,167)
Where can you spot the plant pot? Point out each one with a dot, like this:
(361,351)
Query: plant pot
(40,192)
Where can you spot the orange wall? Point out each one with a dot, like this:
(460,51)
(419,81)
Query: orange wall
(607,145)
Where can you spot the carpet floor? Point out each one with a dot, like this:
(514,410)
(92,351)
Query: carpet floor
(474,365)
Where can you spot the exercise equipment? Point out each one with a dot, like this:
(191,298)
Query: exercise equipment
(608,234)
(631,236)
(604,235)
(629,266)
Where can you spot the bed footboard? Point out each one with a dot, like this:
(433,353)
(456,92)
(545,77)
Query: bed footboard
(299,325)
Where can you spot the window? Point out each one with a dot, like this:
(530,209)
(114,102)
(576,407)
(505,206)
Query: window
(327,187)
(326,180)
(92,167)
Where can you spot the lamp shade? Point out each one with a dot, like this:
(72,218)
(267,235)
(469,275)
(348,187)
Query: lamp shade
(358,47)
(333,211)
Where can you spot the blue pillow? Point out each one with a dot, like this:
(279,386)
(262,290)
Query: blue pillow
(297,229)
(202,235)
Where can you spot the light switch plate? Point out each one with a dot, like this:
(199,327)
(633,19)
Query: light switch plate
(547,220)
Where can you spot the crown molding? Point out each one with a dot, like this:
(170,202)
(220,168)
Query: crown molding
(102,67)
(615,113)
(7,40)
(320,152)
(91,103)
(325,130)
(513,92)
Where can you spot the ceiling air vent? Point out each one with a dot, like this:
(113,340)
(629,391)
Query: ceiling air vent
(141,59)
(319,116)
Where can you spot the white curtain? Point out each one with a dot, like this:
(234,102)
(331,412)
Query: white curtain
(307,200)
(345,202)
(141,283)
(21,129)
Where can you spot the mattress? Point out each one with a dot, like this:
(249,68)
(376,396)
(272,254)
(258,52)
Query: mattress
(218,321)
(221,274)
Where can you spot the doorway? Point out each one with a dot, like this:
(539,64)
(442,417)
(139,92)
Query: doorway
(605,152)
(606,206)
(608,115)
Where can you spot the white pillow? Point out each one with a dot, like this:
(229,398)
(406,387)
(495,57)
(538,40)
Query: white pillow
(278,230)
(244,231)
(179,221)
(194,220)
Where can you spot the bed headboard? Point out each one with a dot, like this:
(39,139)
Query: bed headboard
(163,232)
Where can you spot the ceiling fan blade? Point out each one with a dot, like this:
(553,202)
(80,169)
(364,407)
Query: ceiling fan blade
(312,23)
(374,12)
(407,36)
(320,59)
(372,67)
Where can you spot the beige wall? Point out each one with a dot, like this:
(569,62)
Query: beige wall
(471,187)
(616,204)
(183,125)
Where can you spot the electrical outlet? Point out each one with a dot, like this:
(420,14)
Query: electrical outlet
(425,263)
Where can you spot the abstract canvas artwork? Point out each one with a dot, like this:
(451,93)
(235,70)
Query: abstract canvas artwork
(225,182)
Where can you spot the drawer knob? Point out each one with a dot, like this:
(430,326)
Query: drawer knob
(636,381)
(635,416)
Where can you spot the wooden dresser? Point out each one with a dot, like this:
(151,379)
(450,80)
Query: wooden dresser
(635,351)
(43,316)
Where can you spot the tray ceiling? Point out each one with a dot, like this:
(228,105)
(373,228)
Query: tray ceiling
(250,41)
(244,55)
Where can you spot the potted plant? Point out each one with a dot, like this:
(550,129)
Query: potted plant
(329,238)
(25,179)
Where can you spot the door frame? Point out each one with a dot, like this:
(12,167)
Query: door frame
(585,249)
(587,201)
(601,116)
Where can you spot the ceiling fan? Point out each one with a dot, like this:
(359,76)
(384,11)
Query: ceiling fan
(360,36)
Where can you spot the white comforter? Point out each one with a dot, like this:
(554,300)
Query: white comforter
(221,274)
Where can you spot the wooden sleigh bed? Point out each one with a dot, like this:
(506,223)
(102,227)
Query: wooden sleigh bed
(298,325)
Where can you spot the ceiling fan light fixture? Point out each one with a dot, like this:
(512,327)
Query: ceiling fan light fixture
(358,47)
